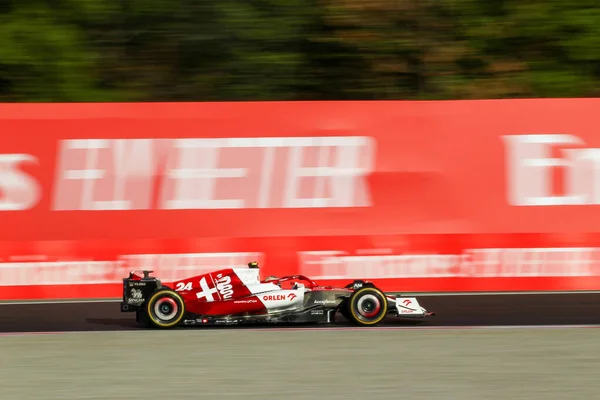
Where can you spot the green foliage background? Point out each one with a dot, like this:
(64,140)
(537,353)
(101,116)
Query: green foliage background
(215,50)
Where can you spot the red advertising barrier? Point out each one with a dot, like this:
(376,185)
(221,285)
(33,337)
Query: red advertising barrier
(418,196)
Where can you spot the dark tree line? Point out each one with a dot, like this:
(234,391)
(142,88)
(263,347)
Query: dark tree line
(209,50)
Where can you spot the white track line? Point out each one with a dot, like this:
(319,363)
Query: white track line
(429,328)
(325,329)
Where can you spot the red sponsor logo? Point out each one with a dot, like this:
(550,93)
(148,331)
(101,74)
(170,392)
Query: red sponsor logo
(406,302)
(274,297)
(291,296)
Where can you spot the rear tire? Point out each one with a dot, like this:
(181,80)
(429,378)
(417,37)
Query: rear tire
(367,306)
(165,308)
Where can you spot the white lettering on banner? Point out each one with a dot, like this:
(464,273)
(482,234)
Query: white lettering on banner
(168,267)
(530,167)
(228,173)
(18,190)
(476,263)
(60,273)
(106,174)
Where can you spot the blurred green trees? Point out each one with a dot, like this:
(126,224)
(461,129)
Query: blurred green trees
(184,50)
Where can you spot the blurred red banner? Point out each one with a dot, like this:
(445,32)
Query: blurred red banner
(419,196)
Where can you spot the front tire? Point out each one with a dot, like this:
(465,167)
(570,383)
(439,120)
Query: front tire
(165,308)
(367,306)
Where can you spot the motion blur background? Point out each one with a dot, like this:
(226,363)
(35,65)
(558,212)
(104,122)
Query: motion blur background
(247,50)
(183,50)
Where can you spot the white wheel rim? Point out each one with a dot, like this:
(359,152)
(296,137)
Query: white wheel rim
(368,314)
(162,306)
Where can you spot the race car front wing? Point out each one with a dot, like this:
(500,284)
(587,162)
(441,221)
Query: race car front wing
(408,307)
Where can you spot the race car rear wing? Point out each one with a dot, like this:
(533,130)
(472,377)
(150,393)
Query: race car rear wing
(137,289)
(145,272)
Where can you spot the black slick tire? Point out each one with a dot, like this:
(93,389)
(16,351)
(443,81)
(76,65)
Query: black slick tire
(367,306)
(165,308)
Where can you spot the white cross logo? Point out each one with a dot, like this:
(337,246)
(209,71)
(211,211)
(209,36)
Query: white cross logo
(206,292)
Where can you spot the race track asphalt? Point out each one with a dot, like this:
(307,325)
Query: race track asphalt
(456,310)
(304,364)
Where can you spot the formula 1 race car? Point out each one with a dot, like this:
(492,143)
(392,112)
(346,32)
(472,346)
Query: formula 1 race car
(237,296)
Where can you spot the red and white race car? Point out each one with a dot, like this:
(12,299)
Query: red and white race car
(237,295)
